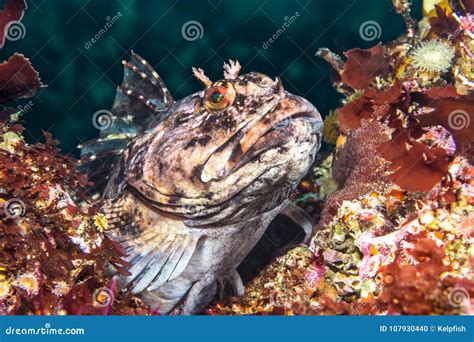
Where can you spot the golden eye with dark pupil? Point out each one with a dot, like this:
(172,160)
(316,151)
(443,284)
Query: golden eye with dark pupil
(217,98)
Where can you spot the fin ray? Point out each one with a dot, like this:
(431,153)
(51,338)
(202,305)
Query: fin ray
(155,264)
(140,98)
(162,262)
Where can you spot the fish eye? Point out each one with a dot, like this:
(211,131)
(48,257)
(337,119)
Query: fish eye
(218,98)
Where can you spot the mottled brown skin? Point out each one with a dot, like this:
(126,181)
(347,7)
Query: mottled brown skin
(196,188)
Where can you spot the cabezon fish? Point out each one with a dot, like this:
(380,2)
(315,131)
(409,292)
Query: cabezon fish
(190,186)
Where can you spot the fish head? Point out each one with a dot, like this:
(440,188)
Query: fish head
(235,149)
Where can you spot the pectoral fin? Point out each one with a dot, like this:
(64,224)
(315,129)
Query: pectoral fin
(301,218)
(158,252)
(163,261)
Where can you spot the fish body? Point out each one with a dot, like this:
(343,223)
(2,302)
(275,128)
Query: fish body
(190,186)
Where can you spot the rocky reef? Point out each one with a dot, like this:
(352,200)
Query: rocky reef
(391,253)
(53,250)
(396,230)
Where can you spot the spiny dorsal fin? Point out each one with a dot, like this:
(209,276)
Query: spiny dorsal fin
(142,93)
(139,99)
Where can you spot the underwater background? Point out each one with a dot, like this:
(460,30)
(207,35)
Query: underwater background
(77,47)
(387,205)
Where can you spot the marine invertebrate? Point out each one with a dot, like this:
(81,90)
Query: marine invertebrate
(432,56)
(47,258)
(100,221)
(324,179)
(61,288)
(5,289)
(410,93)
(28,283)
(52,247)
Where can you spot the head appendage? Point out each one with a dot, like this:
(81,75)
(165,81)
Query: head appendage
(231,70)
(201,76)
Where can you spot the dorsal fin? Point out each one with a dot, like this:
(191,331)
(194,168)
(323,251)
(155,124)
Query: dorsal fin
(139,99)
(142,92)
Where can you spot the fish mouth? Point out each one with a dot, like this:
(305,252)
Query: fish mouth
(260,145)
(270,131)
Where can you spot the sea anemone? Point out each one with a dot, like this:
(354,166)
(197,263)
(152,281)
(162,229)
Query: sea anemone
(432,56)
(100,222)
(9,141)
(61,289)
(28,283)
(4,289)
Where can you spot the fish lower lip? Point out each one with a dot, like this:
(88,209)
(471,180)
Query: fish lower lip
(235,152)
